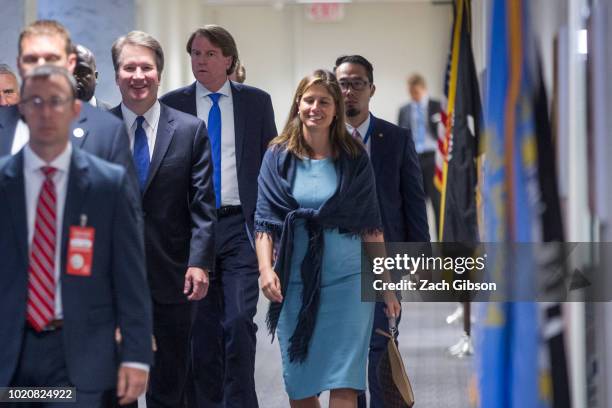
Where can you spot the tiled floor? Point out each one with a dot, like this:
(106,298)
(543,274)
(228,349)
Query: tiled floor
(438,380)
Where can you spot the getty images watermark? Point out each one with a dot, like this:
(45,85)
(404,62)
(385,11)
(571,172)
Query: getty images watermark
(407,265)
(482,272)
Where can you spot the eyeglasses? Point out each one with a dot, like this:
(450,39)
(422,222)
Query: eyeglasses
(56,103)
(356,84)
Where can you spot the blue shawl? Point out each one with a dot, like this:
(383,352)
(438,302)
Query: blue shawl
(353,208)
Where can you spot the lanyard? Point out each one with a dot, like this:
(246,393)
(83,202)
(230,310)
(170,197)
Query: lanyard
(369,132)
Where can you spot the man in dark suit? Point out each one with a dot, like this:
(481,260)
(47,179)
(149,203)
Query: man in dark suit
(398,183)
(86,75)
(72,259)
(172,158)
(422,116)
(97,132)
(240,122)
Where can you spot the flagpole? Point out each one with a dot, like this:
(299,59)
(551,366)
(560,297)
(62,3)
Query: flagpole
(452,90)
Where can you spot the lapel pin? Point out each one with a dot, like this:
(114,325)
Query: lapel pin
(380,135)
(78,132)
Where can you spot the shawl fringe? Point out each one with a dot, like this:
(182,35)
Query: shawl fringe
(352,209)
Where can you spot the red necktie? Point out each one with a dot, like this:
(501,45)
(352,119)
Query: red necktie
(41,271)
(356,134)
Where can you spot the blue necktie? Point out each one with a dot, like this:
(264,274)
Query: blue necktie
(141,153)
(420,130)
(214,134)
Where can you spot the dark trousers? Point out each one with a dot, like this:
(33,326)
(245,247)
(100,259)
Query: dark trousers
(168,375)
(428,168)
(42,363)
(378,346)
(224,334)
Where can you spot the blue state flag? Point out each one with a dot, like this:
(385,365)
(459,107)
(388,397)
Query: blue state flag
(511,365)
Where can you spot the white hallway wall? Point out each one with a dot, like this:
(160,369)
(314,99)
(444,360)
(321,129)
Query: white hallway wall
(279,46)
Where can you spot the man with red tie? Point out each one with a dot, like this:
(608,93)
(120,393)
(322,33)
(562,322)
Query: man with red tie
(72,266)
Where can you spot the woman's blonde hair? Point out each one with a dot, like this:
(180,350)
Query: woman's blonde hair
(292,135)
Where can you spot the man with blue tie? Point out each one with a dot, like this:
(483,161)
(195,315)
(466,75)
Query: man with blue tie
(240,122)
(399,184)
(171,154)
(95,131)
(72,265)
(422,116)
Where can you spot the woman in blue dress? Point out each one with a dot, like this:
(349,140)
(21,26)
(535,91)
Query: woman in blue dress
(317,202)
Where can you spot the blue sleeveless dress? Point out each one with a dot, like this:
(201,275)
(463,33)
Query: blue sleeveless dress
(338,349)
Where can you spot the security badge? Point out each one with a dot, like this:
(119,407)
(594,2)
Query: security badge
(80,249)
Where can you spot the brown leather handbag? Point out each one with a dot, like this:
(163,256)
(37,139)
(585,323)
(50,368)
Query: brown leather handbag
(392,377)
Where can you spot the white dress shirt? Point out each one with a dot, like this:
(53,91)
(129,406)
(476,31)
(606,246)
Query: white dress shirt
(22,136)
(33,179)
(229,171)
(149,125)
(363,131)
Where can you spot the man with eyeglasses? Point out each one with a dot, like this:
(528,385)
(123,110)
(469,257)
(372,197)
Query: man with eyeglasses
(72,260)
(9,87)
(399,184)
(97,132)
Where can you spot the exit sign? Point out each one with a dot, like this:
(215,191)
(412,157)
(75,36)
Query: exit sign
(325,12)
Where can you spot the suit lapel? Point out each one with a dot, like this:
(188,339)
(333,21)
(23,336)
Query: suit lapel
(240,110)
(8,125)
(165,132)
(190,104)
(79,127)
(377,146)
(15,197)
(76,193)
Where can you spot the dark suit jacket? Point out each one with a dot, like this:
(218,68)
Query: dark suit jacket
(95,131)
(178,203)
(433,108)
(115,295)
(254,128)
(399,183)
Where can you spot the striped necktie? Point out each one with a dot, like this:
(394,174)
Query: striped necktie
(41,270)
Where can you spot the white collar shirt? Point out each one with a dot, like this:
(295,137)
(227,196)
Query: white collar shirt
(149,125)
(363,131)
(229,171)
(22,136)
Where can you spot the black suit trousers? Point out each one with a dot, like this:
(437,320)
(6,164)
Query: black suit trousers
(42,363)
(168,376)
(224,335)
(428,167)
